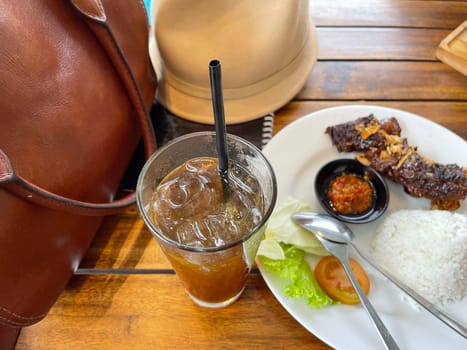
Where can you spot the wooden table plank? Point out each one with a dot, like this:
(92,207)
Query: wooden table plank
(394,13)
(384,80)
(124,242)
(378,43)
(103,312)
(452,115)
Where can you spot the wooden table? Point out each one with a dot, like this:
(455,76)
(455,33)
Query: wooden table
(125,294)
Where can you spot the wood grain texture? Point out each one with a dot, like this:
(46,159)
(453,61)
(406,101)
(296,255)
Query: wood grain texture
(394,13)
(124,242)
(452,115)
(384,80)
(378,43)
(154,312)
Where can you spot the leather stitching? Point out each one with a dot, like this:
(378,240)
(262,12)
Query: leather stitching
(27,319)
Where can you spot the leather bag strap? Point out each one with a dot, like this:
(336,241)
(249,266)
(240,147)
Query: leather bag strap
(94,14)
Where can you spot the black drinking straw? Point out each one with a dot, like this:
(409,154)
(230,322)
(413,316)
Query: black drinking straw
(219,118)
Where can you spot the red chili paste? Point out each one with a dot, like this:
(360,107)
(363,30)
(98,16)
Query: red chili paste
(350,194)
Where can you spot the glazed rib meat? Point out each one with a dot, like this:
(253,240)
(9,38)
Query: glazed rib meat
(381,146)
(358,136)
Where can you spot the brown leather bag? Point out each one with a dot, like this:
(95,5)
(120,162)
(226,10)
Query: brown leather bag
(76,84)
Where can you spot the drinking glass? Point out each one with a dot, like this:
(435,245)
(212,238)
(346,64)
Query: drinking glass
(214,276)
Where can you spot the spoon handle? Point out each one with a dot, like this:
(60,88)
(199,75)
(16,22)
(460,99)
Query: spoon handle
(430,307)
(386,337)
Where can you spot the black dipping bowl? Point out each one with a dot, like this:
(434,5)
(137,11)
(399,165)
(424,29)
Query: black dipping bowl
(339,166)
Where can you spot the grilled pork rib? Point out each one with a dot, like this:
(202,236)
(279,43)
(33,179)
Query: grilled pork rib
(383,148)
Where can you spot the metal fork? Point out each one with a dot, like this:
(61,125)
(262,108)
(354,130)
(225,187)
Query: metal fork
(340,251)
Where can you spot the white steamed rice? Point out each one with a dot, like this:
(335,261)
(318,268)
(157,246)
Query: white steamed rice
(427,250)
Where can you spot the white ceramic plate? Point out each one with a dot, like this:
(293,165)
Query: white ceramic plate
(296,153)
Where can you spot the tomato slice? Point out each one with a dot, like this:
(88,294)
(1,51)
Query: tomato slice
(331,277)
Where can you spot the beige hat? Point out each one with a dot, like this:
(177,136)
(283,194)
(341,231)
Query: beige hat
(267,49)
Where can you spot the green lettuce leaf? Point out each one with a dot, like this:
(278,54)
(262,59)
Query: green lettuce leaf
(297,272)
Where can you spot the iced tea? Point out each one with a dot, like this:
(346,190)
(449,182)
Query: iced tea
(209,232)
(191,206)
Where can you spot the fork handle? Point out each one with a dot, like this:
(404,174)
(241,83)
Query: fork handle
(386,337)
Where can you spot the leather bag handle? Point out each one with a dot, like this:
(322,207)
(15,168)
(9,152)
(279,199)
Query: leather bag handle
(95,17)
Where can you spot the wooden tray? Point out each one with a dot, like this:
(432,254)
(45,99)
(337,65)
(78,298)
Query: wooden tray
(453,49)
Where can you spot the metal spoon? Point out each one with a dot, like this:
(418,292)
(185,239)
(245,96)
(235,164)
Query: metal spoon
(339,250)
(331,229)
